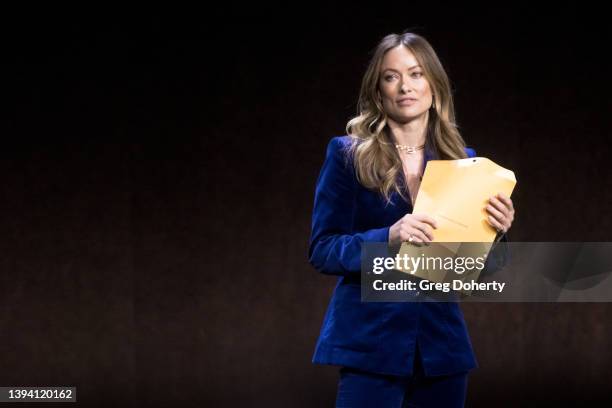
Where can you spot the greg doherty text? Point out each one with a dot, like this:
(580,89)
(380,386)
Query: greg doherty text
(424,284)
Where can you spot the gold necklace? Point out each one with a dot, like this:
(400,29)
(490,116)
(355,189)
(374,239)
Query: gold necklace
(409,149)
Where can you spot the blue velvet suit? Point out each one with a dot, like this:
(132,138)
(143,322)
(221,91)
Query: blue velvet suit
(379,337)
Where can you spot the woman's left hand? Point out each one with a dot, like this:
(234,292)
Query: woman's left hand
(501,212)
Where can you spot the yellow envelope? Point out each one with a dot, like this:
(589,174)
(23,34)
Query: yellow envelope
(455,193)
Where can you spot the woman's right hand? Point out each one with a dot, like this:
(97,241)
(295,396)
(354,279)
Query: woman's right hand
(415,228)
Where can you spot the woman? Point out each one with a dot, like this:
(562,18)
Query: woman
(391,354)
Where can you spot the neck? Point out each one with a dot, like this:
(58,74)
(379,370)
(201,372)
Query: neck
(411,133)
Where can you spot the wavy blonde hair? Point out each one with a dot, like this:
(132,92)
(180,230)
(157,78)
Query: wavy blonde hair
(375,157)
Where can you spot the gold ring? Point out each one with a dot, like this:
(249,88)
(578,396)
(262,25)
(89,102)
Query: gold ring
(410,238)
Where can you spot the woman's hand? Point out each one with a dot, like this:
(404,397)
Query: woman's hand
(415,228)
(501,212)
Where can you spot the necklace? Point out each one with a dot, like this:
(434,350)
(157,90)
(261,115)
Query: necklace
(409,149)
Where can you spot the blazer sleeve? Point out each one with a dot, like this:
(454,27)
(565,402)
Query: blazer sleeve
(334,247)
(499,255)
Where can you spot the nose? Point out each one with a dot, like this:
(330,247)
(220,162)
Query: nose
(404,86)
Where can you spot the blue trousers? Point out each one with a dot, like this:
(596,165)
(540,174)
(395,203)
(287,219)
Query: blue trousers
(359,389)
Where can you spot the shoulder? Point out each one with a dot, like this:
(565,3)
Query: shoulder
(339,144)
(338,150)
(338,164)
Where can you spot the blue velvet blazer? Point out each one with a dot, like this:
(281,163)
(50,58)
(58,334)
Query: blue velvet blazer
(379,337)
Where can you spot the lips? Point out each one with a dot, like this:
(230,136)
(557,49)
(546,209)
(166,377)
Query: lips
(406,101)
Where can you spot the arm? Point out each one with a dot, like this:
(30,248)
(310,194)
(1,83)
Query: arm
(334,247)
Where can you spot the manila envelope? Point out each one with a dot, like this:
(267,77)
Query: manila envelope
(455,193)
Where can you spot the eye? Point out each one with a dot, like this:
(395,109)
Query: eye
(417,74)
(389,77)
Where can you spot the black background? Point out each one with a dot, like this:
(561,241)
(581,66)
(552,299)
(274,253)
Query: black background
(158,171)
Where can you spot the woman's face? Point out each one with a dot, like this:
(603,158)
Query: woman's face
(405,93)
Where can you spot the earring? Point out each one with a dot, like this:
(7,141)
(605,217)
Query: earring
(433,102)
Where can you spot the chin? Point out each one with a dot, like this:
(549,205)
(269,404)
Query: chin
(404,117)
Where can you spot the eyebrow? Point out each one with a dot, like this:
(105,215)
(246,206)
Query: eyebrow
(411,68)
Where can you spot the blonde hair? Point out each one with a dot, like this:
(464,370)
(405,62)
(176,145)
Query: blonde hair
(375,157)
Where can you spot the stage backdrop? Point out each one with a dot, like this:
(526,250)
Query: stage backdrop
(158,178)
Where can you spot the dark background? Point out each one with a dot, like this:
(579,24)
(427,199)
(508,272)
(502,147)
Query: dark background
(158,174)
